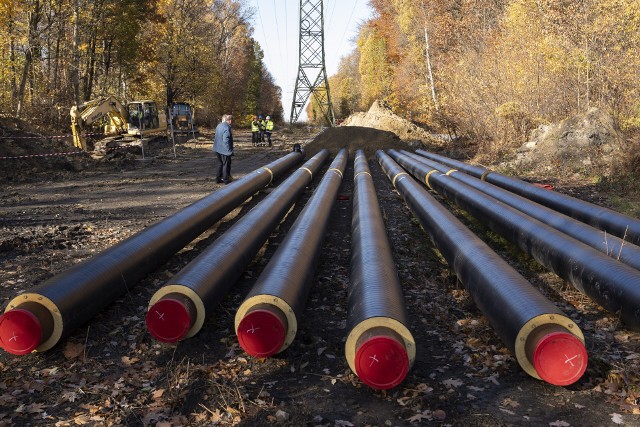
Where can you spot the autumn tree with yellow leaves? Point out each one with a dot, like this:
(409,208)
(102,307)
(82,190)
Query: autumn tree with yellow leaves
(56,53)
(493,70)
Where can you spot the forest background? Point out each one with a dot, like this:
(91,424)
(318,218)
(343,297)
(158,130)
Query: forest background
(59,53)
(489,70)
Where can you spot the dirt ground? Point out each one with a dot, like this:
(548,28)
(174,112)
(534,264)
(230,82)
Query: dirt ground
(57,211)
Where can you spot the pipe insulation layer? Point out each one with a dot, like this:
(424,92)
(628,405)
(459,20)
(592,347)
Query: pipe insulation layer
(547,344)
(178,309)
(54,309)
(610,283)
(380,348)
(609,244)
(623,226)
(267,321)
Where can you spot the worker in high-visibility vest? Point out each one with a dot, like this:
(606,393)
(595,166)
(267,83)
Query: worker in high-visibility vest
(255,131)
(268,125)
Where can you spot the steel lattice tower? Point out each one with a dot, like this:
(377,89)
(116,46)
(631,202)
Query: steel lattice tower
(312,73)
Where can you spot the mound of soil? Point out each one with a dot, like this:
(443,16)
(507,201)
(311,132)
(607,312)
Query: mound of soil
(381,117)
(23,154)
(355,138)
(582,143)
(26,154)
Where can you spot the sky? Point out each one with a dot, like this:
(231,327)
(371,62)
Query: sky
(276,27)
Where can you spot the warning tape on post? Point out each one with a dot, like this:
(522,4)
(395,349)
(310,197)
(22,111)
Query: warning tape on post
(107,150)
(48,136)
(64,154)
(30,156)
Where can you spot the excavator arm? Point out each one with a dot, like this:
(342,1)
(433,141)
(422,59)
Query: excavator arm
(93,111)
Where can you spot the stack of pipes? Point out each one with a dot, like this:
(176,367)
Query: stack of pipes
(557,230)
(39,319)
(547,344)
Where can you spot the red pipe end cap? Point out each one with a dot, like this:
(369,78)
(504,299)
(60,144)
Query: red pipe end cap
(560,358)
(261,333)
(20,331)
(168,320)
(382,362)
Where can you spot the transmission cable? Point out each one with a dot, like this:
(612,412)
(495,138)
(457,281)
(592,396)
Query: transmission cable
(275,14)
(355,4)
(335,2)
(266,44)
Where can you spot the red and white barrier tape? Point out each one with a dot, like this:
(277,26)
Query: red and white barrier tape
(71,153)
(49,136)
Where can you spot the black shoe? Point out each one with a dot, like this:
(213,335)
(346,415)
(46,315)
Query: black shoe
(219,181)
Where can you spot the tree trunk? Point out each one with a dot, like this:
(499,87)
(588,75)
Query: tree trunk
(56,66)
(12,61)
(106,60)
(76,54)
(34,20)
(429,71)
(91,64)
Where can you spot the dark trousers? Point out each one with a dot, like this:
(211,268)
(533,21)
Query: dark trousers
(255,137)
(268,133)
(261,136)
(224,168)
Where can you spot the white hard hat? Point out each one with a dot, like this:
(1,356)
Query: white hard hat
(268,117)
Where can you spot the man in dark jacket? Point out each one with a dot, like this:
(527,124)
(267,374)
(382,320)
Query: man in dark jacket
(262,128)
(223,146)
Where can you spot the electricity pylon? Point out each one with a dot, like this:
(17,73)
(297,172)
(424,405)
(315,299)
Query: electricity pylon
(312,73)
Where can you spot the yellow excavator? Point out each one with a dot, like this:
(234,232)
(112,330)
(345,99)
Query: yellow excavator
(115,118)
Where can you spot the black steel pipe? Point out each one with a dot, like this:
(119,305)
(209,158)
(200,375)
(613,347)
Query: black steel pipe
(266,322)
(609,244)
(530,326)
(610,283)
(623,226)
(380,349)
(54,309)
(179,308)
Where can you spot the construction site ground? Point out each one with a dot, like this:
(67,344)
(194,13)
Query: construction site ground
(56,212)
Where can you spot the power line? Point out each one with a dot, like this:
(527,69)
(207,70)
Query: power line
(355,4)
(286,39)
(335,2)
(266,46)
(275,14)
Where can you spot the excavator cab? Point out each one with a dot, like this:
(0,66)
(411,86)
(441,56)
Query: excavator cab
(145,116)
(181,117)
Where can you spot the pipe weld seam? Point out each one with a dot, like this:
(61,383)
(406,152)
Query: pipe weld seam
(426,178)
(451,171)
(308,170)
(363,173)
(396,177)
(485,174)
(270,173)
(338,171)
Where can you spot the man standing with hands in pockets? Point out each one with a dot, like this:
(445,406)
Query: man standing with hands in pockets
(223,146)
